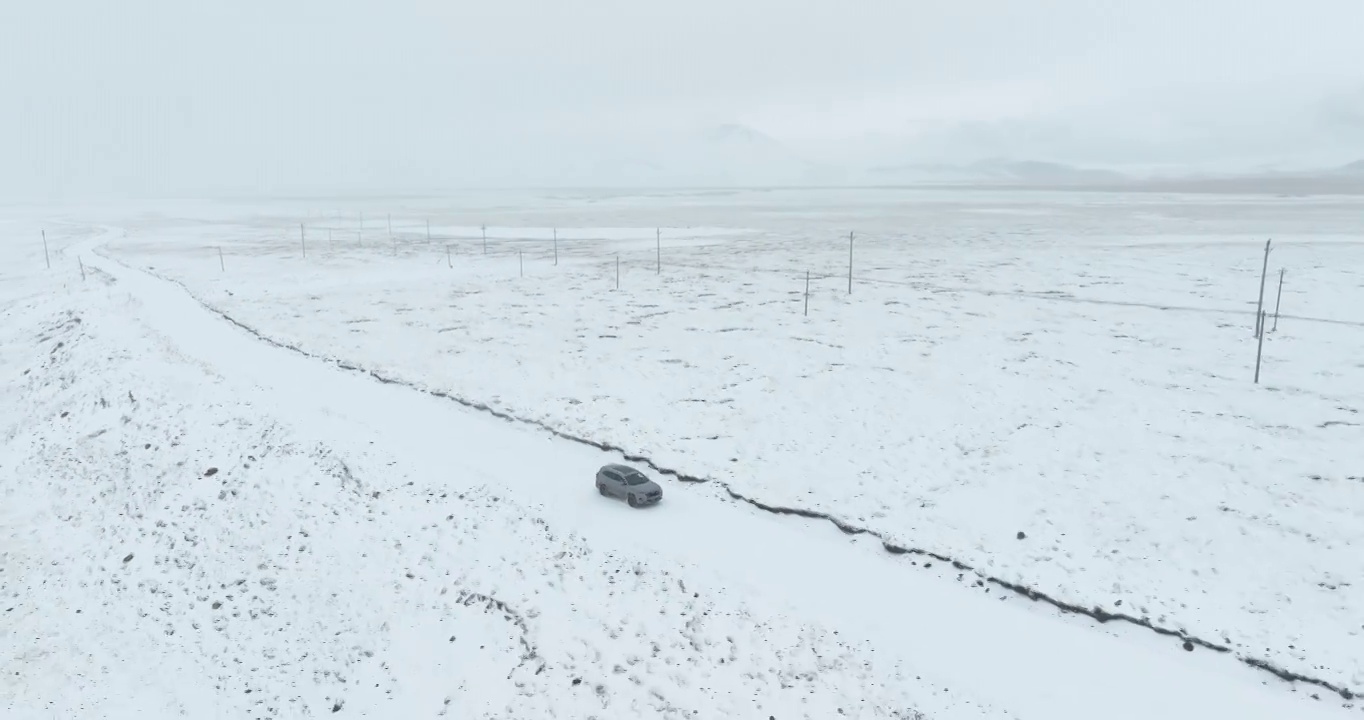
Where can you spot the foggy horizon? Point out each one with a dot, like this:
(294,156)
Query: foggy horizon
(152,97)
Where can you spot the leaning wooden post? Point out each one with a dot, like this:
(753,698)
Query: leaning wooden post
(1277,300)
(222,267)
(1260,304)
(46,256)
(556,247)
(303,240)
(82,264)
(1259,350)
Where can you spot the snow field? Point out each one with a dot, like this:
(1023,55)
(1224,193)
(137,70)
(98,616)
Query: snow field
(171,548)
(1081,376)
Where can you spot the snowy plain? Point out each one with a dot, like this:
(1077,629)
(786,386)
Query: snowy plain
(179,543)
(1074,369)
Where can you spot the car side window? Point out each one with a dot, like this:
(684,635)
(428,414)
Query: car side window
(611,476)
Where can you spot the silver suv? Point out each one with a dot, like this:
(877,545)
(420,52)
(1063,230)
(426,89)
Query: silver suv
(626,482)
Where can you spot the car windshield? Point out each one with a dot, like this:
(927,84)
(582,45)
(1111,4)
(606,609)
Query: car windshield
(635,479)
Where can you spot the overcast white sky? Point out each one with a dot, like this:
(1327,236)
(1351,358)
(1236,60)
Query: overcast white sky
(184,96)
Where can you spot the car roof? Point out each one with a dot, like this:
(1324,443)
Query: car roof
(620,468)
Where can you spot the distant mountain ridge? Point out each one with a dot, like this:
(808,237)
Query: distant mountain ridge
(996,171)
(1354,168)
(737,155)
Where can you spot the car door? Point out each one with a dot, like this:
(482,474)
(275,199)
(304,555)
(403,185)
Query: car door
(615,484)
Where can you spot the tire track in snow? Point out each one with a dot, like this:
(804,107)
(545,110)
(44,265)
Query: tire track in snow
(1096,613)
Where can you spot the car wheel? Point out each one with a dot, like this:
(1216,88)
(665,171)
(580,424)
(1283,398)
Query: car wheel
(633,502)
(602,489)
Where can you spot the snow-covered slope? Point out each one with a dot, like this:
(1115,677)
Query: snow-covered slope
(1076,371)
(489,530)
(171,547)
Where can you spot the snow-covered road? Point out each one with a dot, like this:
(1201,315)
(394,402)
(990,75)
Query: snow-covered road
(1005,651)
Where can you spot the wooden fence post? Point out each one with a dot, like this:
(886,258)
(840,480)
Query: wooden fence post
(1260,304)
(1259,349)
(1277,300)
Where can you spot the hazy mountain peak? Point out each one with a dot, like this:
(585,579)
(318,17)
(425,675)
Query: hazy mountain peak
(737,134)
(1354,168)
